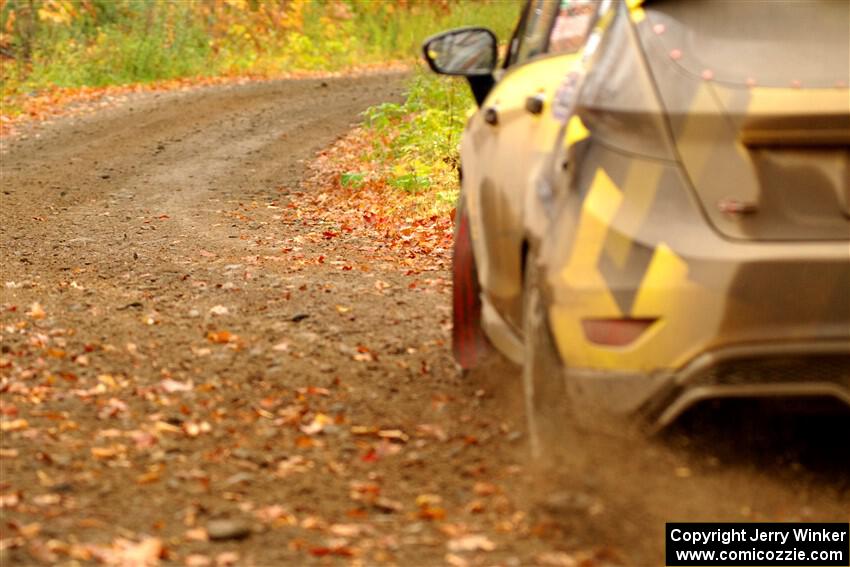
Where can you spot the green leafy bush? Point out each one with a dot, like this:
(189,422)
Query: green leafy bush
(418,138)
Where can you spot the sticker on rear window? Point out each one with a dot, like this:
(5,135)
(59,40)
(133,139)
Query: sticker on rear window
(565,96)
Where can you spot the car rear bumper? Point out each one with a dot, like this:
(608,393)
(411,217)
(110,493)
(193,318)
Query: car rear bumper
(806,369)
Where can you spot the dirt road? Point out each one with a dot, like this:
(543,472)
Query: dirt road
(190,373)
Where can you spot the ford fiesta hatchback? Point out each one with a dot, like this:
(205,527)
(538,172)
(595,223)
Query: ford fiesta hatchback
(655,203)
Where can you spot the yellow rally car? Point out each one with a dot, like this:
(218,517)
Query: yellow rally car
(655,203)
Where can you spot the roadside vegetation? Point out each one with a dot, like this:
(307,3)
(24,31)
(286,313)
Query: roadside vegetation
(394,179)
(411,146)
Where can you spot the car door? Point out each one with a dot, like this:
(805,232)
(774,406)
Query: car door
(508,139)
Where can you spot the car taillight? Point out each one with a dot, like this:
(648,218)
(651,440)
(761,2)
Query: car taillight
(615,332)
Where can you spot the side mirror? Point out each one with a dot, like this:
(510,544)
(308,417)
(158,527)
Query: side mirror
(467,52)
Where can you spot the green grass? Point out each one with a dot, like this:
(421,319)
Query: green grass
(400,34)
(129,51)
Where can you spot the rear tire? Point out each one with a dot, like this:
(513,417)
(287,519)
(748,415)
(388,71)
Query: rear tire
(544,385)
(469,343)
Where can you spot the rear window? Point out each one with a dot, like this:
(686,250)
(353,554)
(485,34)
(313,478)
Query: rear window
(796,43)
